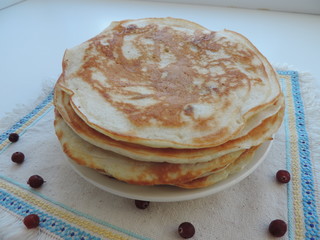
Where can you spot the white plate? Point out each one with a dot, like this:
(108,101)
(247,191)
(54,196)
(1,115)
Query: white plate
(168,193)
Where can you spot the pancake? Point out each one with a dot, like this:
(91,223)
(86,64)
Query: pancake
(256,136)
(129,170)
(217,176)
(260,116)
(168,83)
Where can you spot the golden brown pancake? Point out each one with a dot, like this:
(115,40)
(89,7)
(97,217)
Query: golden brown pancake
(168,83)
(224,173)
(129,170)
(255,137)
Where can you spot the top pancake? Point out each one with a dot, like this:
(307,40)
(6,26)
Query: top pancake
(167,83)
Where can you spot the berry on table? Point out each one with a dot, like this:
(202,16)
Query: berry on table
(13,137)
(278,228)
(283,176)
(141,204)
(31,221)
(17,157)
(186,230)
(35,181)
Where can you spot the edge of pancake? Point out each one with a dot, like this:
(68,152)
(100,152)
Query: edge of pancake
(216,177)
(143,153)
(129,170)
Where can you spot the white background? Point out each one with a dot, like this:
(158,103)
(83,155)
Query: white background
(298,6)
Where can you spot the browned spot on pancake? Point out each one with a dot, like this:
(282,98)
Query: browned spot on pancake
(162,173)
(172,85)
(206,41)
(188,110)
(131,28)
(165,171)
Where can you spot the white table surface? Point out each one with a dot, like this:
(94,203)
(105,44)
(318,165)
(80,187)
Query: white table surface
(35,33)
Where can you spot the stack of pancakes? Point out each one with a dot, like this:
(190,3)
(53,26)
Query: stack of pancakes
(165,101)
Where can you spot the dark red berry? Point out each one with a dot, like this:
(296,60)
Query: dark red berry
(31,221)
(13,137)
(141,204)
(17,157)
(35,181)
(283,176)
(278,228)
(186,230)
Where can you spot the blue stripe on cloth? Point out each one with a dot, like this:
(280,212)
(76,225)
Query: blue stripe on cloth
(103,223)
(291,221)
(26,118)
(48,222)
(26,128)
(311,219)
(307,182)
